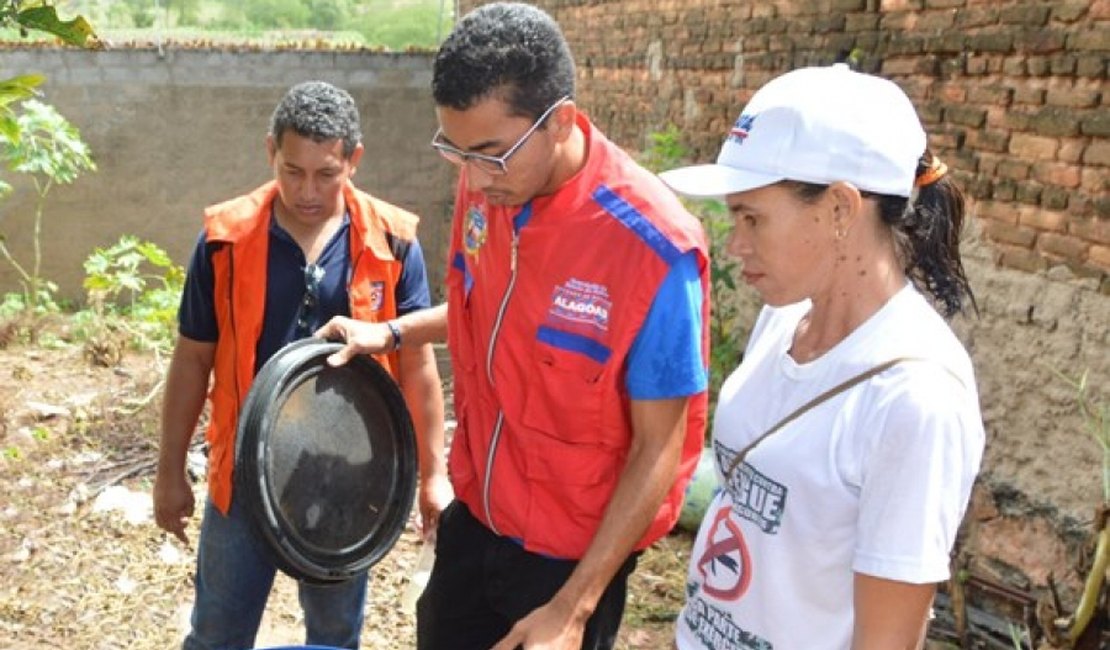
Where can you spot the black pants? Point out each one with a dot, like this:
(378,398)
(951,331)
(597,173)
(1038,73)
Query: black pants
(482,584)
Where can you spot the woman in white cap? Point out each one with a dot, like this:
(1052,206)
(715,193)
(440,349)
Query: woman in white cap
(848,439)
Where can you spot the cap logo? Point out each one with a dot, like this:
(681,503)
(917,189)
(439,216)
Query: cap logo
(740,130)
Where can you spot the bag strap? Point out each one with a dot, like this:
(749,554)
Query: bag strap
(798,412)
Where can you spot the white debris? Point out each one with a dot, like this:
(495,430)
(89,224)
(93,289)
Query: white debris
(126,585)
(86,457)
(169,554)
(23,553)
(79,494)
(135,506)
(46,411)
(82,400)
(196,463)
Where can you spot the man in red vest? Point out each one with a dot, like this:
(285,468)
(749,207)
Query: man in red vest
(576,321)
(270,267)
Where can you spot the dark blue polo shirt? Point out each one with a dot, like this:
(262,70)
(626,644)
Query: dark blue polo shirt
(286,287)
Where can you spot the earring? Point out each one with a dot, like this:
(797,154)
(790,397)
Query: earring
(840,233)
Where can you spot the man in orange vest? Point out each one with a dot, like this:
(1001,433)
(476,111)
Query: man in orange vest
(270,267)
(576,321)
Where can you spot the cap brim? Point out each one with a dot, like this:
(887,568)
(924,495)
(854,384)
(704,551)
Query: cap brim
(714,180)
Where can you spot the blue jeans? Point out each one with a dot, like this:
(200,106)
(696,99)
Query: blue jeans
(234,576)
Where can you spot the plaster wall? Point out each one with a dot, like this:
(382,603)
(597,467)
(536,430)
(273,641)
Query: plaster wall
(172,131)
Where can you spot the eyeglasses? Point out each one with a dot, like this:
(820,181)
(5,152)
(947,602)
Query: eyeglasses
(496,165)
(313,276)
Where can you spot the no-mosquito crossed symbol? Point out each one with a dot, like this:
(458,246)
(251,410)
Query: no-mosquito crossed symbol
(725,566)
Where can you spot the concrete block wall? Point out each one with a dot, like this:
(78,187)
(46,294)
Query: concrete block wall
(175,130)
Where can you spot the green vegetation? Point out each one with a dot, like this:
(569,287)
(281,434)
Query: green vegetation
(49,149)
(41,15)
(37,141)
(133,288)
(20,17)
(387,24)
(1096,417)
(726,338)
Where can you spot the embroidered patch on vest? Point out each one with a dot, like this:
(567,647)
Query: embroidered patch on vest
(581,302)
(377,294)
(474,231)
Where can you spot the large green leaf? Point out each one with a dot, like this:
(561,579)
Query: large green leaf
(9,127)
(19,88)
(75,32)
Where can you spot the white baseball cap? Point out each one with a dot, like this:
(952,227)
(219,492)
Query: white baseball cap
(816,125)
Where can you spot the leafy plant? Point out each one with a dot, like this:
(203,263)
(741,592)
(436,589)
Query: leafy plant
(1081,628)
(48,149)
(398,27)
(393,24)
(41,15)
(1096,417)
(133,286)
(34,15)
(14,90)
(666,151)
(27,149)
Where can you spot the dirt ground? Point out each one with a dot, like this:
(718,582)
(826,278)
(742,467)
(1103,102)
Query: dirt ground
(82,565)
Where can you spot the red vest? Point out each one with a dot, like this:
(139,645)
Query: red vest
(543,313)
(240,299)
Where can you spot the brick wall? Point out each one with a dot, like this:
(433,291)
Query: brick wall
(1013,93)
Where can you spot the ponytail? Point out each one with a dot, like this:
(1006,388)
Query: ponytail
(927,229)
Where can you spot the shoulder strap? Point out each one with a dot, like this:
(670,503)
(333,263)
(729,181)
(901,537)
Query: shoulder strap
(798,412)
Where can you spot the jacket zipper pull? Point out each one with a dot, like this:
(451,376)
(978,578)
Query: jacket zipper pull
(512,257)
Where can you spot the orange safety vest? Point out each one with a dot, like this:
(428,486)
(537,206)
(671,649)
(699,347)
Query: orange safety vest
(544,306)
(239,297)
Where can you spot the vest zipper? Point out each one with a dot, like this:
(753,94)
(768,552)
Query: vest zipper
(496,437)
(489,471)
(502,308)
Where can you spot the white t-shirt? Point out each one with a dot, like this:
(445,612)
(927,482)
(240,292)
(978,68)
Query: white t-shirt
(874,480)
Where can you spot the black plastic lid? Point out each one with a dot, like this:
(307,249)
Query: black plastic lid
(325,461)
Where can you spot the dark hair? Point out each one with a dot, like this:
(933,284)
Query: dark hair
(510,49)
(320,111)
(926,235)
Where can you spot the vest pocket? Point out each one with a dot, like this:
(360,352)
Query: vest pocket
(563,396)
(569,488)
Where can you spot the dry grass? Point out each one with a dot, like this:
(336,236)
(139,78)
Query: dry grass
(73,577)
